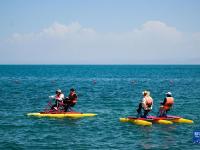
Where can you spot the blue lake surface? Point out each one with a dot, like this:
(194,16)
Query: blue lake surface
(111,91)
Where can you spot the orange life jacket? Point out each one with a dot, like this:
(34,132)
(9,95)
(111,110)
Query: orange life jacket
(169,102)
(149,101)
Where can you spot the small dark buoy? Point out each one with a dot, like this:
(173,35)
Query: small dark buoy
(94,82)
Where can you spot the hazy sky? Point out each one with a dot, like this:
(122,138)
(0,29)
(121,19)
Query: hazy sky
(99,32)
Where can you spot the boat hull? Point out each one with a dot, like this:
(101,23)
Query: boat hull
(159,120)
(136,121)
(176,119)
(62,115)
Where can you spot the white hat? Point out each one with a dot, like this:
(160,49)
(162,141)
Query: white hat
(168,93)
(59,91)
(146,92)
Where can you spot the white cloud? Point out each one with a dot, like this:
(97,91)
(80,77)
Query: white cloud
(153,42)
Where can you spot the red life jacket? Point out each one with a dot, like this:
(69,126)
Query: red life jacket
(74,99)
(149,101)
(169,102)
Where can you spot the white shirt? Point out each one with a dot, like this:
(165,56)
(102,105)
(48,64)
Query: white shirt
(56,97)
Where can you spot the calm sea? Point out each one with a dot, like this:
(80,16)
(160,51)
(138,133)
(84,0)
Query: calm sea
(111,91)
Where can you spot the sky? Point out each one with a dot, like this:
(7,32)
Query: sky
(99,32)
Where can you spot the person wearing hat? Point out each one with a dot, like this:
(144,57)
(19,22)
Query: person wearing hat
(145,105)
(71,100)
(166,105)
(59,97)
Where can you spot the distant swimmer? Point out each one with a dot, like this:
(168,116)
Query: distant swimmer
(59,97)
(71,100)
(145,105)
(166,105)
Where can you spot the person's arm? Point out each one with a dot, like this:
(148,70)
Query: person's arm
(164,101)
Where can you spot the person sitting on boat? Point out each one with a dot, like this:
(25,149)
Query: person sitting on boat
(71,100)
(59,97)
(166,105)
(145,105)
